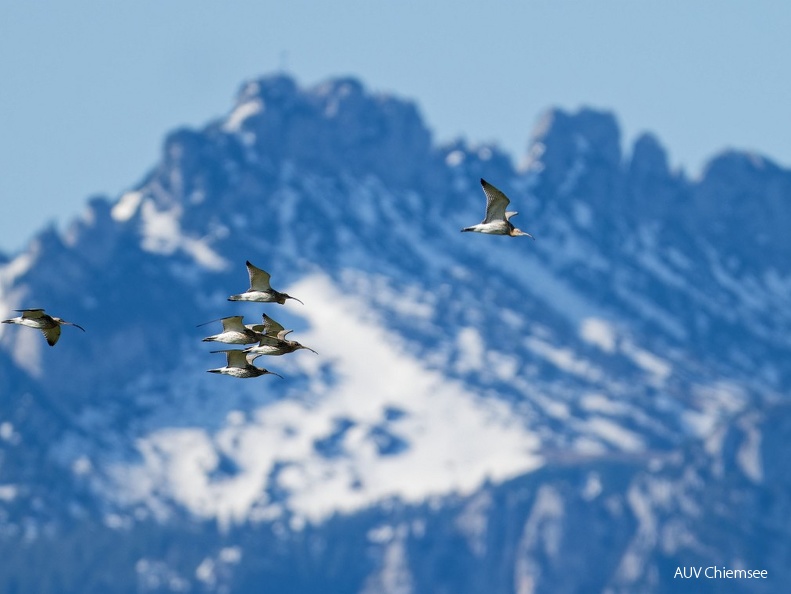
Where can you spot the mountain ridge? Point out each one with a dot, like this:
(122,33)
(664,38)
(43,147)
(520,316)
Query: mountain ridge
(631,349)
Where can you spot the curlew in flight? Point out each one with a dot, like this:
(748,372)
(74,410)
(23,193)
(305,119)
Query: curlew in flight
(497,220)
(260,290)
(238,365)
(275,345)
(36,318)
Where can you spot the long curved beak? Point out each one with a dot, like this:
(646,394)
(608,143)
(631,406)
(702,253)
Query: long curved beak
(294,298)
(72,324)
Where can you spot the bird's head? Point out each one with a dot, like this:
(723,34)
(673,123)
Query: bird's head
(518,232)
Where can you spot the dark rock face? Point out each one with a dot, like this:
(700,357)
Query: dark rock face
(578,155)
(746,200)
(641,342)
(654,189)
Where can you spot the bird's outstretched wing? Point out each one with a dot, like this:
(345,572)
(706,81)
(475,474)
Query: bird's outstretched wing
(271,327)
(237,358)
(32,314)
(234,357)
(51,334)
(496,202)
(259,279)
(233,324)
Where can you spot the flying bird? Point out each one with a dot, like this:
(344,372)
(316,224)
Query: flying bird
(233,332)
(36,318)
(497,219)
(238,365)
(275,345)
(260,290)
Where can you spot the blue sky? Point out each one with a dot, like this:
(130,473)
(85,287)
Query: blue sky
(89,88)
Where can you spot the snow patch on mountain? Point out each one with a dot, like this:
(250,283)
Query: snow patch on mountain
(613,433)
(658,367)
(749,456)
(236,119)
(162,234)
(565,359)
(126,206)
(600,333)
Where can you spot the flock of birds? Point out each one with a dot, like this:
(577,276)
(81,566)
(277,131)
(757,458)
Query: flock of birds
(269,337)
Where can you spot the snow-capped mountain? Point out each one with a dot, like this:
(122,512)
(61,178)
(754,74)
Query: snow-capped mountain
(582,413)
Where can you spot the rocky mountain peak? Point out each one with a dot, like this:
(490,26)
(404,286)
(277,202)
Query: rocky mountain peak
(653,188)
(746,198)
(271,90)
(335,126)
(577,155)
(561,140)
(649,158)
